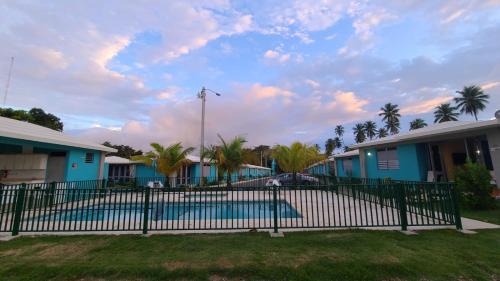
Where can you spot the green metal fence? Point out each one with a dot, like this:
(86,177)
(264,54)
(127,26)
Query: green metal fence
(95,206)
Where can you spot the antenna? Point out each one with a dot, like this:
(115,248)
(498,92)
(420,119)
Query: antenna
(7,84)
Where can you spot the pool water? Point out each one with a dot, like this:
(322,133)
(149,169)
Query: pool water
(179,211)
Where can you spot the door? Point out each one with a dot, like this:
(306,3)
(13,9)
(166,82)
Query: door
(56,168)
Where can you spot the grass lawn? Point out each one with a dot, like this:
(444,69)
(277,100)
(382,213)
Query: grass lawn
(340,255)
(491,216)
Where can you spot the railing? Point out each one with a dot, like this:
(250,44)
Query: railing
(86,206)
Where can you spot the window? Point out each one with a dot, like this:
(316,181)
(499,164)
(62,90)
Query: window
(347,165)
(89,157)
(387,159)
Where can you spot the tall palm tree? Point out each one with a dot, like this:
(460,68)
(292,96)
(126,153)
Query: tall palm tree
(417,124)
(370,129)
(472,99)
(339,131)
(329,146)
(382,133)
(213,154)
(295,158)
(231,156)
(359,133)
(338,142)
(168,159)
(444,113)
(390,115)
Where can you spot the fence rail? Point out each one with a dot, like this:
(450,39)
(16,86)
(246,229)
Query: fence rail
(95,206)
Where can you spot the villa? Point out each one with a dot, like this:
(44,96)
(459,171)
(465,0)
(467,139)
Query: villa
(431,153)
(31,154)
(122,169)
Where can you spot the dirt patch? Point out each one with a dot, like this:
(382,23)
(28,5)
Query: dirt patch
(68,251)
(222,278)
(222,263)
(386,259)
(24,250)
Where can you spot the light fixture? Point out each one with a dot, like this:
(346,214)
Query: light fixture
(369,153)
(478,152)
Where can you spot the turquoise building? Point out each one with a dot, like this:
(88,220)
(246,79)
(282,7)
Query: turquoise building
(121,169)
(33,154)
(347,164)
(324,167)
(433,153)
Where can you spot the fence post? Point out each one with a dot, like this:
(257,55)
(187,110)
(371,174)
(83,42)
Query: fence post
(456,205)
(275,206)
(146,211)
(19,209)
(402,206)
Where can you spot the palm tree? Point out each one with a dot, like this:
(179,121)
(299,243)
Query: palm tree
(417,124)
(390,115)
(472,99)
(231,156)
(382,133)
(359,133)
(339,131)
(338,142)
(370,129)
(167,160)
(295,158)
(444,113)
(329,146)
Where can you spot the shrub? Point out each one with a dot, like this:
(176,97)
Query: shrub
(474,184)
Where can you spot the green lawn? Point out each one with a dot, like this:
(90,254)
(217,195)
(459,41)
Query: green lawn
(491,216)
(341,255)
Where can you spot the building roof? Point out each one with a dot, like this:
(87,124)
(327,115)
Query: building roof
(15,129)
(255,167)
(119,160)
(347,154)
(436,130)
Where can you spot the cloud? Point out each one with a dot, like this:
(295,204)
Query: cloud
(276,55)
(490,85)
(348,102)
(425,106)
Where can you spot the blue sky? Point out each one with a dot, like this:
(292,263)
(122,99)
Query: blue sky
(288,70)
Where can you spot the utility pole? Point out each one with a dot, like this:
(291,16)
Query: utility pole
(7,84)
(202,95)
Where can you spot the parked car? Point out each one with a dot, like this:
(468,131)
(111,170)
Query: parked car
(287,179)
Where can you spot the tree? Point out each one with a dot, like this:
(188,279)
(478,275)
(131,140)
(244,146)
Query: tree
(263,152)
(167,159)
(390,115)
(35,116)
(444,113)
(370,129)
(417,124)
(339,131)
(473,180)
(124,151)
(295,158)
(359,133)
(472,99)
(382,133)
(231,156)
(330,145)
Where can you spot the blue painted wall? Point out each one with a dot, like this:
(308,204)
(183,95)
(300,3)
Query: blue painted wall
(77,169)
(143,171)
(412,163)
(356,170)
(74,155)
(320,169)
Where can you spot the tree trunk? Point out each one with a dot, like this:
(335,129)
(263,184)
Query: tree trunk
(294,178)
(228,179)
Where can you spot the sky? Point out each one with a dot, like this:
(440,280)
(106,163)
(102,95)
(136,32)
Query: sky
(129,71)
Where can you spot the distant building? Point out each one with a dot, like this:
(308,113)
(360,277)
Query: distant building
(323,167)
(347,164)
(432,153)
(31,154)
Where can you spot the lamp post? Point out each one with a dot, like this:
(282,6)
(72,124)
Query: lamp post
(202,95)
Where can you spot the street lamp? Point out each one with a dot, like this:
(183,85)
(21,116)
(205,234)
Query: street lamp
(202,95)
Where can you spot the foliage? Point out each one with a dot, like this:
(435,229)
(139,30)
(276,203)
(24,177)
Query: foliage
(390,115)
(472,99)
(382,133)
(231,156)
(330,146)
(339,131)
(35,116)
(167,159)
(370,129)
(444,113)
(417,124)
(474,183)
(359,133)
(124,151)
(296,157)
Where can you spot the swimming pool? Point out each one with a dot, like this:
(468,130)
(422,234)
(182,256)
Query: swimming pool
(159,211)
